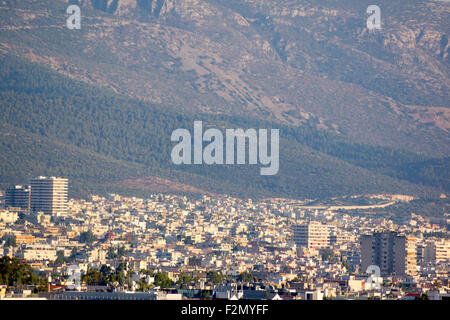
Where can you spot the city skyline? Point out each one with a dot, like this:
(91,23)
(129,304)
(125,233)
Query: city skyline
(266,246)
(225,159)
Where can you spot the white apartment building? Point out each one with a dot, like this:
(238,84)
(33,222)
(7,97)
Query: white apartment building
(38,252)
(313,235)
(49,195)
(8,216)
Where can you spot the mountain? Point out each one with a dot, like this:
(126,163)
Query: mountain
(103,141)
(295,61)
(359,111)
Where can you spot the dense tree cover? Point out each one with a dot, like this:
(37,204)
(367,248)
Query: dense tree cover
(62,259)
(214,277)
(163,281)
(116,253)
(106,276)
(56,126)
(94,277)
(87,237)
(329,256)
(185,279)
(8,240)
(15,272)
(245,277)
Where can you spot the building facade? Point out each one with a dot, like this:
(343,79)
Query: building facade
(395,254)
(312,235)
(17,197)
(49,195)
(435,251)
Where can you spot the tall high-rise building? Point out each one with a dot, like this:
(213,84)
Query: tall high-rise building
(49,195)
(395,254)
(18,197)
(313,235)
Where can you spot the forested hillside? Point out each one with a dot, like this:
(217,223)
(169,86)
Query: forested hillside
(53,125)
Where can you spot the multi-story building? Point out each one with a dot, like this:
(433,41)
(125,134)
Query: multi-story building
(395,254)
(38,252)
(18,197)
(411,255)
(8,217)
(313,235)
(442,250)
(49,195)
(436,251)
(25,239)
(420,250)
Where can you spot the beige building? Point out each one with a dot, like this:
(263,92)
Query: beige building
(436,251)
(25,239)
(8,216)
(312,235)
(411,255)
(38,252)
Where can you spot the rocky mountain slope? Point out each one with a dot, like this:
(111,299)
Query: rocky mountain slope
(296,61)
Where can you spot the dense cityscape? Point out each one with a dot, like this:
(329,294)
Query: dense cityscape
(174,247)
(206,159)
